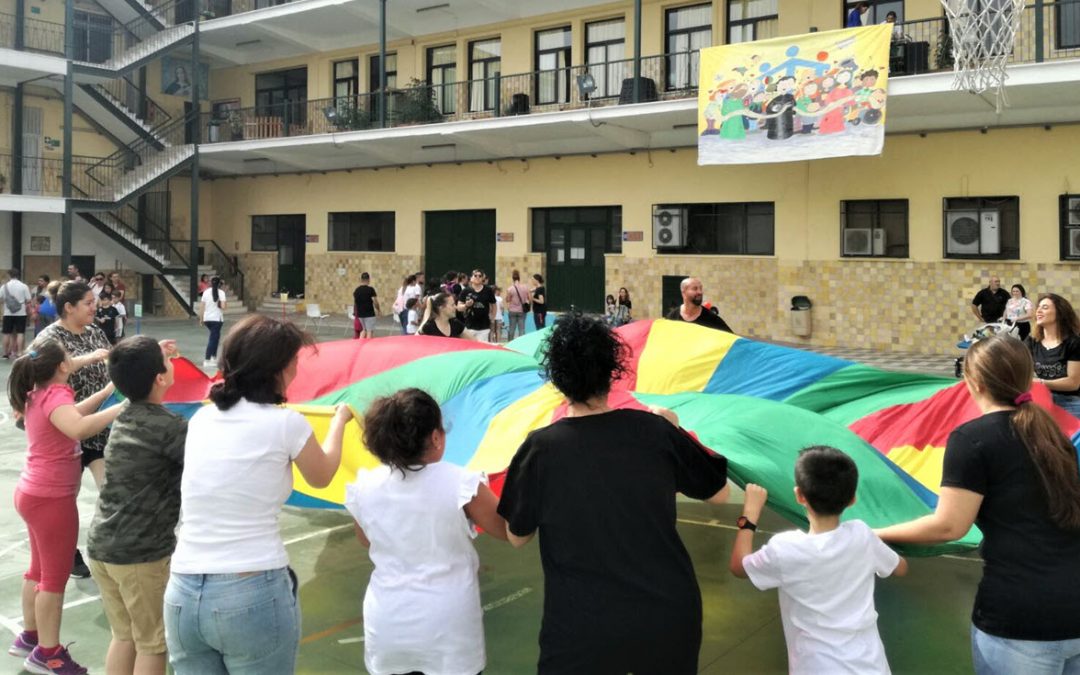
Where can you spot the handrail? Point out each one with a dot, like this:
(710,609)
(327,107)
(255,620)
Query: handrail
(234,270)
(128,94)
(153,234)
(108,171)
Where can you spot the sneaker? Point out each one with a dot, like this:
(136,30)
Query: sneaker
(22,646)
(207,363)
(59,664)
(79,570)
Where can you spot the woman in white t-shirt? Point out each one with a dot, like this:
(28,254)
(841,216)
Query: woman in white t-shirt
(416,513)
(213,317)
(231,603)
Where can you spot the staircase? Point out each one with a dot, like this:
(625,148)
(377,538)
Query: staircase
(234,305)
(135,41)
(127,113)
(134,168)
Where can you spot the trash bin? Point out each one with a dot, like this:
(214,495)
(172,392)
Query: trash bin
(158,299)
(800,315)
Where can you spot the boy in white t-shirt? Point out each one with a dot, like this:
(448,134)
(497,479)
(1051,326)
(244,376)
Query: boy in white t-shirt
(412,317)
(825,576)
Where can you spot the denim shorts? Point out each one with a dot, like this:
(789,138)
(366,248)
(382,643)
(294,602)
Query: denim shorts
(1000,656)
(243,624)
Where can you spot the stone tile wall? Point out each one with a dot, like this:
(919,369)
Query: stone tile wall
(260,276)
(527,265)
(325,283)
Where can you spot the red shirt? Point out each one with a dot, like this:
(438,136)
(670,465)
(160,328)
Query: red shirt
(53,466)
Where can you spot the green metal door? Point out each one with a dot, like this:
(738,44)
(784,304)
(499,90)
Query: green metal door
(459,240)
(292,244)
(670,292)
(575,266)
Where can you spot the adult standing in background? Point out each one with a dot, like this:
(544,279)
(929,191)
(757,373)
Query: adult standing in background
(118,286)
(231,604)
(517,304)
(213,317)
(539,301)
(855,16)
(624,301)
(988,305)
(1019,311)
(365,308)
(477,303)
(18,302)
(1055,348)
(691,311)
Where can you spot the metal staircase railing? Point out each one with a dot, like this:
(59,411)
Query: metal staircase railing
(130,100)
(227,267)
(131,168)
(122,46)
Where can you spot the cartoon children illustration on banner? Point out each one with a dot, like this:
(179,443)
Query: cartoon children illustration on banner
(794,98)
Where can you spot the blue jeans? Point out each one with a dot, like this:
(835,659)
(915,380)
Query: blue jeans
(999,656)
(403,317)
(231,623)
(1071,404)
(215,336)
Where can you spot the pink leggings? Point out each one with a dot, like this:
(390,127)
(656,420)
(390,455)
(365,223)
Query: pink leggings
(53,524)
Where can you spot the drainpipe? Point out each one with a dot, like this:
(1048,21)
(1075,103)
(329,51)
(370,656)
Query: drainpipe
(382,64)
(637,51)
(193,245)
(69,97)
(1040,31)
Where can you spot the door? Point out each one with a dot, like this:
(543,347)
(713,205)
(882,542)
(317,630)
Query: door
(460,241)
(32,161)
(670,292)
(86,265)
(292,244)
(575,266)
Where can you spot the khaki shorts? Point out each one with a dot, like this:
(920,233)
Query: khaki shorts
(133,596)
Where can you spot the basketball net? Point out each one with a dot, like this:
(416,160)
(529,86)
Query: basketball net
(983,34)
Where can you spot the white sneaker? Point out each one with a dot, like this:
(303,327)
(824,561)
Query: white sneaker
(208,363)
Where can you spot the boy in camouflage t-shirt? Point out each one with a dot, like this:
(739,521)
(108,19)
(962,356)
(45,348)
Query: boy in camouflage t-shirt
(133,535)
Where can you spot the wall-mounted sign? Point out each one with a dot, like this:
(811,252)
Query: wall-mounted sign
(504,236)
(40,243)
(633,235)
(311,238)
(51,143)
(136,309)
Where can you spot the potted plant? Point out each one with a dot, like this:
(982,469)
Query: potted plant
(943,55)
(416,104)
(236,125)
(213,129)
(3,182)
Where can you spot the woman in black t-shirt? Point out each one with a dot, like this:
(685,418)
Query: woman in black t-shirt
(1013,473)
(600,483)
(539,301)
(440,319)
(1055,347)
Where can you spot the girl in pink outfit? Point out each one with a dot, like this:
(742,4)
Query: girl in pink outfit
(45,494)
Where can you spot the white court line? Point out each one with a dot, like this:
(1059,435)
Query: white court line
(350,641)
(16,627)
(11,548)
(506,600)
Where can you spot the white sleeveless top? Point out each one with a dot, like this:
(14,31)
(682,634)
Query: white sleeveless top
(422,608)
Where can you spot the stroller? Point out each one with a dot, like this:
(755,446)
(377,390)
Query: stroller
(1001,327)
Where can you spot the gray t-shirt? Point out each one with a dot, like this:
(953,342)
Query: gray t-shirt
(139,505)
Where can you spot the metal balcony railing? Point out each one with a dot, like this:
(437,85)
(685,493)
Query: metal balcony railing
(44,176)
(127,95)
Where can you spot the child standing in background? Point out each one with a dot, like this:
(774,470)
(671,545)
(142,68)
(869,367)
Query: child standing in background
(412,316)
(826,575)
(106,316)
(46,491)
(496,326)
(416,514)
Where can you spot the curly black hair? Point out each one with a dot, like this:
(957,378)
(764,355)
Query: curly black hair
(397,428)
(583,356)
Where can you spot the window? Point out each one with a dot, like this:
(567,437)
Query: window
(607,218)
(874,228)
(391,72)
(484,64)
(346,78)
(553,64)
(687,31)
(362,231)
(879,9)
(93,37)
(605,49)
(264,233)
(750,20)
(441,75)
(982,227)
(1070,227)
(734,229)
(282,94)
(1067,23)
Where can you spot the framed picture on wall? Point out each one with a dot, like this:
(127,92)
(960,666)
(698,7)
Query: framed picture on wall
(177,75)
(222,108)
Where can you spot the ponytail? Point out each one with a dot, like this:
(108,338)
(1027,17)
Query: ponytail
(1004,368)
(215,283)
(34,368)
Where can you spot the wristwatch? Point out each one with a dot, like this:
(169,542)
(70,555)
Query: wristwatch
(744,524)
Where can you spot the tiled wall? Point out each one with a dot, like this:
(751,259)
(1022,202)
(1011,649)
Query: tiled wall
(527,265)
(260,276)
(325,284)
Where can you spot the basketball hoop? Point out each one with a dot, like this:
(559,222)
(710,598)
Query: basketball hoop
(983,33)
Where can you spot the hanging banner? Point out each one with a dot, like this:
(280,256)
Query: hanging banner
(794,98)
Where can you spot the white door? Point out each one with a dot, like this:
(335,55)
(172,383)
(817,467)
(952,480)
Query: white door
(32,160)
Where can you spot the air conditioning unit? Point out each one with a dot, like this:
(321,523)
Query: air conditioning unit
(1072,216)
(989,232)
(669,227)
(1074,241)
(858,241)
(962,232)
(879,242)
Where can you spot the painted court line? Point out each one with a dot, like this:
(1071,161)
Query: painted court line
(15,627)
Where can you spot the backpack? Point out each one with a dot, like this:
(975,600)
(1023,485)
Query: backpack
(11,303)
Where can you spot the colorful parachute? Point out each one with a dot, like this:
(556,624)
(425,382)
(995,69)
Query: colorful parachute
(756,403)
